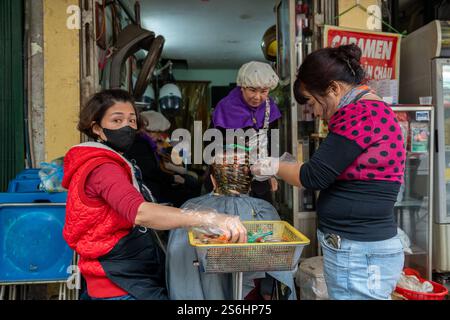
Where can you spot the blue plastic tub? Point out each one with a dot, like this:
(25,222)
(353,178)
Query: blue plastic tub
(28,174)
(31,243)
(33,197)
(24,185)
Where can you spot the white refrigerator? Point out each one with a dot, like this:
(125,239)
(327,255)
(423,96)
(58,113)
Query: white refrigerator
(441,232)
(425,71)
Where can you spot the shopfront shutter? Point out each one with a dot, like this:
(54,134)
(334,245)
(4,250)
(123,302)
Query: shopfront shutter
(12,143)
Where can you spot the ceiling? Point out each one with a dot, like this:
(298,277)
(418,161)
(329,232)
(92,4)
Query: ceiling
(209,34)
(405,3)
(212,34)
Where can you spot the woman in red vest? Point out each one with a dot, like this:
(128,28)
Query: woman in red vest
(111,217)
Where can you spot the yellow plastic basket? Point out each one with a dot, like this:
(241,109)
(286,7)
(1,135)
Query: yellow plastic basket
(245,257)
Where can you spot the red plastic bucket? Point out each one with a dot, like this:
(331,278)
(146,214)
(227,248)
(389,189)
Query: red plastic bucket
(439,291)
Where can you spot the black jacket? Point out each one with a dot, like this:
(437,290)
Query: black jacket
(152,175)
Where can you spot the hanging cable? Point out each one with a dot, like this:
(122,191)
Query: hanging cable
(358,5)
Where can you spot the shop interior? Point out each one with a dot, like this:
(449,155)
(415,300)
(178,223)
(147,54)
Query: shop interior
(181,57)
(205,43)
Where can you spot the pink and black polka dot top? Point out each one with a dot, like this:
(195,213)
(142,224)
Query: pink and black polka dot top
(358,169)
(374,127)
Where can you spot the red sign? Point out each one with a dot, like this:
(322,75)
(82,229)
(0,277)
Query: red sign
(380,50)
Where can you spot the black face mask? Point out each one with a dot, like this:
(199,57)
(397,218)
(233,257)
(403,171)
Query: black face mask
(120,139)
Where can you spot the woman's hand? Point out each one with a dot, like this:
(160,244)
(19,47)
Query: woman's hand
(174,168)
(178,179)
(273,184)
(228,225)
(234,229)
(285,168)
(265,168)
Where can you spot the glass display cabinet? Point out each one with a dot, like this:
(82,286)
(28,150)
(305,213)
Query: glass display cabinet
(414,207)
(286,67)
(292,21)
(299,31)
(426,74)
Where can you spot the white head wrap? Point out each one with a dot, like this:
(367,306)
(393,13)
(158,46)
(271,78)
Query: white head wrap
(156,121)
(257,75)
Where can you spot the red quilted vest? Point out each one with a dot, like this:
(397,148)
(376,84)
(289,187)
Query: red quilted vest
(92,228)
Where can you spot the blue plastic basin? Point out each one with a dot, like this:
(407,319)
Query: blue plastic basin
(24,185)
(32,248)
(33,197)
(28,174)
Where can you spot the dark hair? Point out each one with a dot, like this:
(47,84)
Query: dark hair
(98,104)
(231,176)
(323,66)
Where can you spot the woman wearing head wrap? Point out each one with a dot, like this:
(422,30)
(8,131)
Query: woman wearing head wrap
(249,106)
(245,105)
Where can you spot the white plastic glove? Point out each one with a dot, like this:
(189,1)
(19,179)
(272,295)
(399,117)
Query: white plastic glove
(214,223)
(265,168)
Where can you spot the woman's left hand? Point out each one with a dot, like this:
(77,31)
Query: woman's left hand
(273,184)
(178,179)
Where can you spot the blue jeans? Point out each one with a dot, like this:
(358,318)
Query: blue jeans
(362,270)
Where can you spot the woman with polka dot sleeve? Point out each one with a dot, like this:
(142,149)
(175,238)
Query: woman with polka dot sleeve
(358,169)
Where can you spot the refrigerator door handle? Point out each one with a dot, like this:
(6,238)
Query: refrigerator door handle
(436,141)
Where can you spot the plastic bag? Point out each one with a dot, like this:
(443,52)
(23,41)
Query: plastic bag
(311,280)
(210,231)
(51,175)
(404,239)
(412,283)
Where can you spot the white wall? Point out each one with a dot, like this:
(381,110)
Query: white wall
(218,77)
